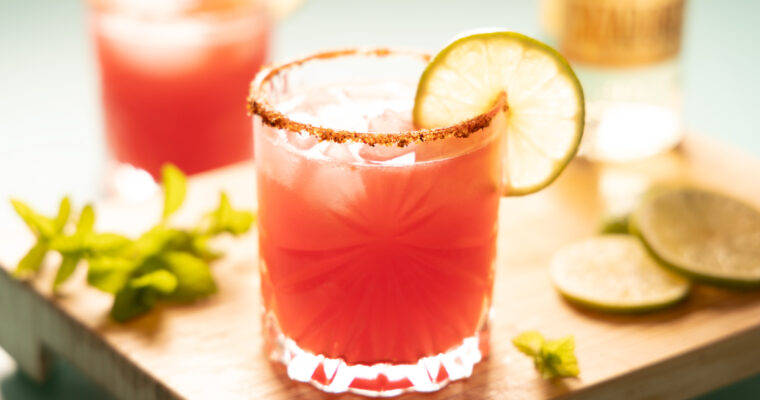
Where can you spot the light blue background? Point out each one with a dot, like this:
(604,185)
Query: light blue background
(50,126)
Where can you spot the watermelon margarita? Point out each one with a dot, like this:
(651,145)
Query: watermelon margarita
(172,76)
(377,242)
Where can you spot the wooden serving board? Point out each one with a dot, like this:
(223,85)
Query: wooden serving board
(213,349)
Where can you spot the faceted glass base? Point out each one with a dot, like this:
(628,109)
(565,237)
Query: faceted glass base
(378,380)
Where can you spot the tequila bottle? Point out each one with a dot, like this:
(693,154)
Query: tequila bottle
(626,55)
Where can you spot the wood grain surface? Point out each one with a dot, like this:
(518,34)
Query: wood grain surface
(213,349)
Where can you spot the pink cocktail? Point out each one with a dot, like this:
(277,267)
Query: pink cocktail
(377,242)
(172,76)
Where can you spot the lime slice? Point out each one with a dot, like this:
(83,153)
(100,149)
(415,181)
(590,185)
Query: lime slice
(615,273)
(707,236)
(544,99)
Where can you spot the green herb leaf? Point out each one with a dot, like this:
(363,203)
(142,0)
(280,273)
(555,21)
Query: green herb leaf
(175,188)
(552,358)
(164,263)
(85,243)
(162,281)
(64,209)
(105,243)
(109,274)
(76,243)
(72,244)
(155,241)
(141,294)
(42,227)
(199,246)
(194,279)
(559,356)
(32,261)
(227,219)
(65,270)
(529,343)
(86,220)
(131,302)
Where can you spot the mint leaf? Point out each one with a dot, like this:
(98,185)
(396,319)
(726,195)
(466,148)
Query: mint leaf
(84,243)
(552,358)
(64,209)
(162,281)
(155,241)
(161,239)
(227,219)
(96,243)
(86,220)
(109,274)
(131,302)
(175,188)
(46,230)
(559,358)
(32,261)
(141,294)
(529,343)
(76,243)
(68,244)
(65,270)
(164,263)
(194,279)
(42,227)
(200,247)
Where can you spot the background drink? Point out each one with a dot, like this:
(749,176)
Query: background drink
(174,76)
(379,254)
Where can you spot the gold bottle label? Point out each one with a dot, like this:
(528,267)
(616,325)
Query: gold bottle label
(621,32)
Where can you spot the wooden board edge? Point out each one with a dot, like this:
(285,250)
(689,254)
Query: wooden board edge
(34,329)
(714,365)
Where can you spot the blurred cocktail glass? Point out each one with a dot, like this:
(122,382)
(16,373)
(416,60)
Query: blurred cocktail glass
(376,241)
(172,76)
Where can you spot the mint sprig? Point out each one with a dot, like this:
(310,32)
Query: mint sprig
(163,264)
(44,229)
(552,358)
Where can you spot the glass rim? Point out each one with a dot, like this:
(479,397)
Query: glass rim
(258,105)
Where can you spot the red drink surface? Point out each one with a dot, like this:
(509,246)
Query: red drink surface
(174,91)
(376,261)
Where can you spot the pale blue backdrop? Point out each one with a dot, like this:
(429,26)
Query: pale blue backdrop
(50,127)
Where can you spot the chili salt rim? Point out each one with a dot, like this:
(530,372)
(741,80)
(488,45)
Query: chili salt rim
(258,105)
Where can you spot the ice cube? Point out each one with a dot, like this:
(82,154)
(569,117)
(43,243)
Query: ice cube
(390,121)
(335,186)
(388,155)
(402,160)
(344,152)
(300,140)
